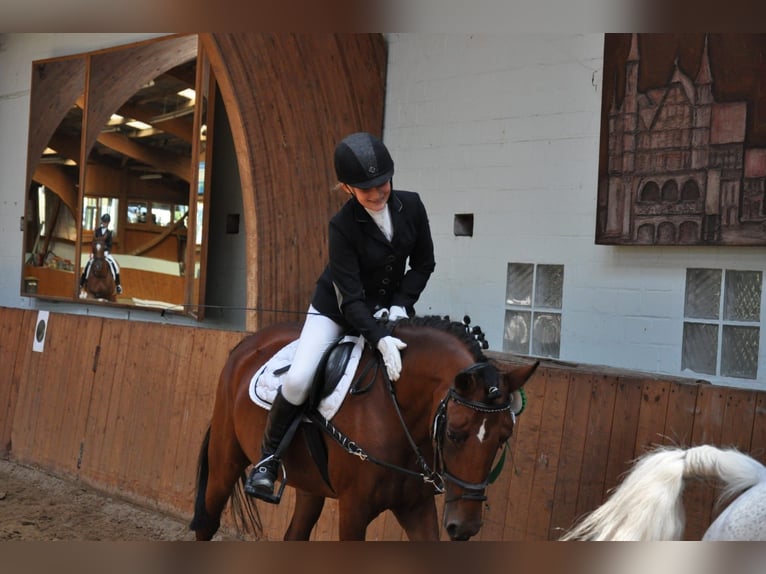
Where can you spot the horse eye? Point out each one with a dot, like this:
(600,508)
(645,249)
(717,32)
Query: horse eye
(455,436)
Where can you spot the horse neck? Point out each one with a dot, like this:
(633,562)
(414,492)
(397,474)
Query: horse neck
(430,363)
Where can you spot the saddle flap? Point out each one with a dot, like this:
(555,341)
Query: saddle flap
(330,371)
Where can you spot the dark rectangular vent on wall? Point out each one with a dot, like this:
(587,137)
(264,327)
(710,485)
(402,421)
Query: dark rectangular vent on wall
(463,226)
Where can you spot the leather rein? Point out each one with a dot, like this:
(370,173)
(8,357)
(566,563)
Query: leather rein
(435,478)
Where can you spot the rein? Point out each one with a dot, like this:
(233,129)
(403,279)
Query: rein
(436,479)
(426,474)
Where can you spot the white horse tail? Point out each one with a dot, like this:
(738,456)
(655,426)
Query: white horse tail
(648,504)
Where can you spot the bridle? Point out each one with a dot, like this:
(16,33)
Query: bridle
(475,491)
(437,477)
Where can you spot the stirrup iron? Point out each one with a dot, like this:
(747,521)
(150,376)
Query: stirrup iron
(270,497)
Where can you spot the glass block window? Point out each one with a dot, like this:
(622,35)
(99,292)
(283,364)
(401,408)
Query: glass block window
(533,300)
(722,314)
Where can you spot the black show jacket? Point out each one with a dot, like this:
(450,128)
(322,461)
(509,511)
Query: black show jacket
(367,272)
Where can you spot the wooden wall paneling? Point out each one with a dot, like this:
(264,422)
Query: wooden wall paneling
(190,413)
(27,367)
(52,282)
(708,423)
(276,518)
(627,406)
(151,286)
(520,471)
(162,352)
(679,422)
(573,442)
(541,502)
(55,394)
(757,447)
(738,419)
(142,376)
(102,456)
(327,525)
(13,337)
(175,379)
(652,415)
(596,453)
(392,531)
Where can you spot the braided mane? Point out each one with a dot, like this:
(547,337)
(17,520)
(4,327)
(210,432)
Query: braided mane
(470,336)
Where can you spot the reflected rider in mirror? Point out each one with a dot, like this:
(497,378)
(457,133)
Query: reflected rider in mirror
(106,233)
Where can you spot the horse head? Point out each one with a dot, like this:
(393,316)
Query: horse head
(97,248)
(473,407)
(476,420)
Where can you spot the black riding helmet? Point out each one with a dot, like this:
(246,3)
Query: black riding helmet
(106,218)
(363,161)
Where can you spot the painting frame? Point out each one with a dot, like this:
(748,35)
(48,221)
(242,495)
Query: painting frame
(683,140)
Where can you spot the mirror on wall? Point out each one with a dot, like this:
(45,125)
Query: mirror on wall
(53,174)
(136,163)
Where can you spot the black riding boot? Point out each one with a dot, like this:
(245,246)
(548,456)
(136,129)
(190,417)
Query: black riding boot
(260,483)
(117,283)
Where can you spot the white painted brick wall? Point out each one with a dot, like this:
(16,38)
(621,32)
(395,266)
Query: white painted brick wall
(507,127)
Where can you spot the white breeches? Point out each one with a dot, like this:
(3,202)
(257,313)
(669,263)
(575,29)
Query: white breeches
(109,259)
(112,263)
(318,334)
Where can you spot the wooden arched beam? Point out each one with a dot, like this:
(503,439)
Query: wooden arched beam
(66,79)
(290,98)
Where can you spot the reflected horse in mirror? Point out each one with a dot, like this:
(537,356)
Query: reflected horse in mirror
(648,504)
(391,446)
(100,282)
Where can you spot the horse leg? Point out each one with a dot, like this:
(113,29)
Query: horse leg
(420,521)
(308,507)
(353,517)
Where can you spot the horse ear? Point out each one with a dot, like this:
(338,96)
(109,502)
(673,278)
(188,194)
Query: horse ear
(466,378)
(517,376)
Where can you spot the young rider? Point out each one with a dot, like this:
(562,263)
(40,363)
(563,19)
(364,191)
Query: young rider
(380,258)
(104,231)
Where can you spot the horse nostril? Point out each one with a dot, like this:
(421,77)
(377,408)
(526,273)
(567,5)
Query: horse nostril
(456,533)
(451,529)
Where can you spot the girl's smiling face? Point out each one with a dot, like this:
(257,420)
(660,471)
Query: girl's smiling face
(374,198)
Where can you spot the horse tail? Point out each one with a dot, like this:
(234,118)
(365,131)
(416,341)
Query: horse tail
(245,512)
(648,505)
(736,470)
(201,519)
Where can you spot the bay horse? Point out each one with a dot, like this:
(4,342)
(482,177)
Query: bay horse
(437,429)
(648,504)
(100,282)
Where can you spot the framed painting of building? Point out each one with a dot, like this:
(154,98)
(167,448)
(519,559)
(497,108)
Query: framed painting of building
(683,140)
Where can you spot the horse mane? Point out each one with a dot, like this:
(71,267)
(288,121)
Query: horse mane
(472,337)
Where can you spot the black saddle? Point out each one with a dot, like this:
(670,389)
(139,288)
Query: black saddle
(328,374)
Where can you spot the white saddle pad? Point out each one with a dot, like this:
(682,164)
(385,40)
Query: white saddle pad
(265,383)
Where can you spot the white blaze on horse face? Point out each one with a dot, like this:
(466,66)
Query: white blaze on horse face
(482,430)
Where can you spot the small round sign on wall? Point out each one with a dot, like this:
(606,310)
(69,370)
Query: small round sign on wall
(38,344)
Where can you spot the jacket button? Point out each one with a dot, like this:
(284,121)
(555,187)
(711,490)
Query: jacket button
(385,280)
(390,258)
(389,268)
(381,291)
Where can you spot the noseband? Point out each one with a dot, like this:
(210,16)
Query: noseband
(475,490)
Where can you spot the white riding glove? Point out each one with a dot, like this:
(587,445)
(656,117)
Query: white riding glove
(380,314)
(389,347)
(396,313)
